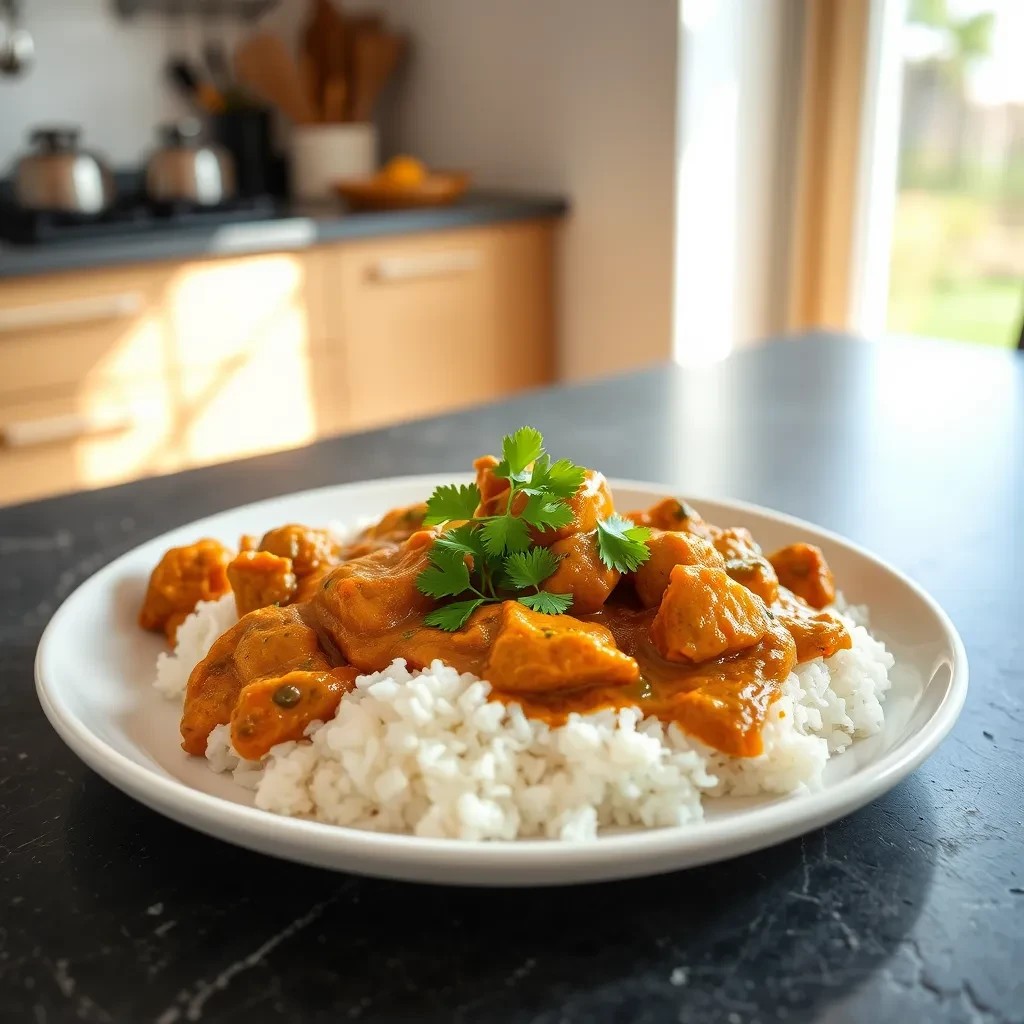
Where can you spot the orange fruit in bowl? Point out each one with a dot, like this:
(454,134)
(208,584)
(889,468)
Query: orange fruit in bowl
(403,172)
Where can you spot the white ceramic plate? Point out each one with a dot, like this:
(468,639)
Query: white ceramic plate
(94,668)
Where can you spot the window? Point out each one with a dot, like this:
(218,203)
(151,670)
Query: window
(957,253)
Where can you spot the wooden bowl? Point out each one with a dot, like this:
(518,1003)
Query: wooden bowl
(437,189)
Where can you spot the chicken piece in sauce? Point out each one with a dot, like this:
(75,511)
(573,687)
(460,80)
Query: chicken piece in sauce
(668,549)
(268,642)
(675,515)
(705,614)
(581,573)
(279,708)
(492,488)
(389,532)
(745,562)
(310,550)
(361,602)
(184,577)
(802,569)
(538,653)
(259,578)
(590,504)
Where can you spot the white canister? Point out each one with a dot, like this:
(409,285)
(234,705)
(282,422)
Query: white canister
(323,154)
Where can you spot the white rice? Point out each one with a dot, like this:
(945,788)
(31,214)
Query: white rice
(429,754)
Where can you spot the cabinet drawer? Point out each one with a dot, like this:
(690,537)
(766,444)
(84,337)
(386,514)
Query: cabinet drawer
(418,319)
(67,329)
(154,322)
(445,320)
(100,437)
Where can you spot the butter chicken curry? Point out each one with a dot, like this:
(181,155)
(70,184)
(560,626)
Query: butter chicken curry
(529,579)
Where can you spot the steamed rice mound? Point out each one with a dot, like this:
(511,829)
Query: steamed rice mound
(428,753)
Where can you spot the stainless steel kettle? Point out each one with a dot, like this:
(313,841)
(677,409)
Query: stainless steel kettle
(187,170)
(58,176)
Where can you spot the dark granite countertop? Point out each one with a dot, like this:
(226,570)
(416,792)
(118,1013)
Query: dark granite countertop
(909,910)
(296,227)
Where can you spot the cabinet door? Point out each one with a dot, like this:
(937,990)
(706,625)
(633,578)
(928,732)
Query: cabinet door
(246,334)
(81,329)
(224,310)
(441,321)
(96,436)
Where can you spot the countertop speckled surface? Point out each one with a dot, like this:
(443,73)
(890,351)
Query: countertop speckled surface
(912,909)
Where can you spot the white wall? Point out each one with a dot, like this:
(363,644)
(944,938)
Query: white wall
(104,74)
(574,96)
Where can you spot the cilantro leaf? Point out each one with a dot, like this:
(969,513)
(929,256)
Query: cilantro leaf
(547,604)
(530,568)
(561,480)
(452,616)
(545,512)
(505,533)
(564,479)
(621,545)
(464,539)
(447,576)
(518,451)
(452,501)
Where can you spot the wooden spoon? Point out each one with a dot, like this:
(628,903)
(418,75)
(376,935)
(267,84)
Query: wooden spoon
(335,95)
(376,55)
(264,64)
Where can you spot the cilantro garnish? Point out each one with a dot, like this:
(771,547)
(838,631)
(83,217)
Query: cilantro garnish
(622,545)
(492,558)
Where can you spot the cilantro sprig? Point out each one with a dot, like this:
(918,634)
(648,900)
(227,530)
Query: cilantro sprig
(491,557)
(621,544)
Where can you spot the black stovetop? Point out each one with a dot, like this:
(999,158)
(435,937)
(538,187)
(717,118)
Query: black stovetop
(132,215)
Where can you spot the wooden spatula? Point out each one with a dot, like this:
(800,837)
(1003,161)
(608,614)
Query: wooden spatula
(263,64)
(375,56)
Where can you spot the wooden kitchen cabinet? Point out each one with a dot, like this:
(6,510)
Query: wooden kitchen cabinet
(441,321)
(108,375)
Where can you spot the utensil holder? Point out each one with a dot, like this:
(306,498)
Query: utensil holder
(322,154)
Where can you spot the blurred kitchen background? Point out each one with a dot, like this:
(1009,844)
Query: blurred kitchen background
(233,226)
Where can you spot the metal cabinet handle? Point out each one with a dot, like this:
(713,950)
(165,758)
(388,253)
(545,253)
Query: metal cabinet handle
(70,311)
(392,269)
(65,427)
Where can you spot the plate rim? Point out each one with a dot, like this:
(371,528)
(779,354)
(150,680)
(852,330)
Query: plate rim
(318,842)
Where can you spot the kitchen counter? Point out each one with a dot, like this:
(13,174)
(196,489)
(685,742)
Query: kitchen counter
(911,909)
(296,227)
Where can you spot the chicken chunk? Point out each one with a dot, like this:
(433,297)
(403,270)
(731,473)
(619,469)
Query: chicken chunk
(802,568)
(705,614)
(591,503)
(534,653)
(184,577)
(491,487)
(675,515)
(259,578)
(361,601)
(745,562)
(817,634)
(309,549)
(581,573)
(670,548)
(266,642)
(389,532)
(278,708)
